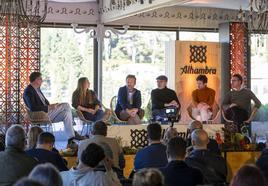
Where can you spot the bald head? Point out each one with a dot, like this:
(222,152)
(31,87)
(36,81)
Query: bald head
(199,139)
(195,125)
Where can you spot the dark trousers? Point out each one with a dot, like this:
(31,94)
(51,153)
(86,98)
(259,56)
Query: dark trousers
(237,115)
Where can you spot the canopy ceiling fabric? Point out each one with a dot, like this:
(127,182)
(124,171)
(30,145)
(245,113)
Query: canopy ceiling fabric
(225,4)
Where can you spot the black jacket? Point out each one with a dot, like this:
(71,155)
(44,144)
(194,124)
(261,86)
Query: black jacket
(262,163)
(178,173)
(33,101)
(212,166)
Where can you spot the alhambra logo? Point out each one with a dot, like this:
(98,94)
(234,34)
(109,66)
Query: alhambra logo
(198,54)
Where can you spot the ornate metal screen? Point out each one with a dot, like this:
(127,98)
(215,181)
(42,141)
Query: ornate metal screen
(239,50)
(19,56)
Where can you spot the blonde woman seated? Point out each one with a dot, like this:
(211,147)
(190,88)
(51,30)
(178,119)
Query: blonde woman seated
(87,102)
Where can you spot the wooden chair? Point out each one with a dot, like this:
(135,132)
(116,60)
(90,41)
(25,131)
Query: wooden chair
(86,123)
(114,116)
(233,127)
(215,112)
(39,118)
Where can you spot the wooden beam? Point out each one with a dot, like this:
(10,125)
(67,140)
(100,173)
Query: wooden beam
(109,14)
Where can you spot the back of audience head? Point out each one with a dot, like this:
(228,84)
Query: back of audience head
(46,174)
(170,133)
(15,137)
(46,139)
(176,149)
(33,136)
(92,155)
(195,125)
(154,132)
(248,175)
(199,139)
(27,182)
(99,128)
(148,177)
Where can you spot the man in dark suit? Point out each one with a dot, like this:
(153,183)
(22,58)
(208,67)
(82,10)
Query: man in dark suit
(177,172)
(212,166)
(36,101)
(128,107)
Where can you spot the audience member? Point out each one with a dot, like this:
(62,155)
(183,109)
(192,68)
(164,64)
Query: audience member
(203,99)
(43,151)
(262,162)
(84,173)
(177,172)
(248,175)
(14,161)
(154,155)
(99,133)
(28,182)
(33,136)
(162,98)
(36,101)
(148,177)
(237,102)
(46,174)
(128,106)
(212,144)
(109,156)
(86,101)
(170,133)
(211,165)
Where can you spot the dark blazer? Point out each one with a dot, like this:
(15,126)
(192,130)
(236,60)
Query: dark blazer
(178,173)
(122,100)
(33,101)
(212,166)
(46,156)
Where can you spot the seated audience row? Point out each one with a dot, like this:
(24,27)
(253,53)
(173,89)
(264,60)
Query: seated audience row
(157,155)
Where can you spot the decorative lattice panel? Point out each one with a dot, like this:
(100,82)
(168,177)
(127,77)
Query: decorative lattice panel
(19,56)
(138,138)
(239,50)
(198,54)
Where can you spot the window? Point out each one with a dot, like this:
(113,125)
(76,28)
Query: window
(259,76)
(198,36)
(259,66)
(141,53)
(65,57)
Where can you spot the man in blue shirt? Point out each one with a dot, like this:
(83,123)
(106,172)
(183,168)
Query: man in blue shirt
(153,155)
(43,151)
(128,107)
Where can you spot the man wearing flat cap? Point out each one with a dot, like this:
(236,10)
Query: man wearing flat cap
(162,98)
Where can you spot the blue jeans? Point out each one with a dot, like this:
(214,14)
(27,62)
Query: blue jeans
(94,117)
